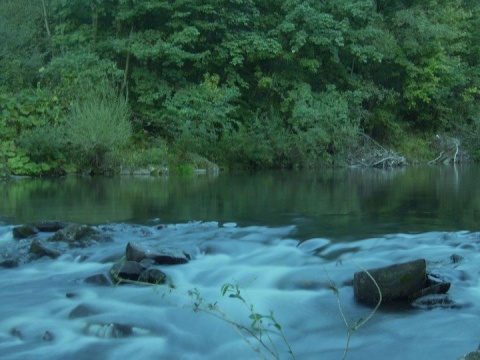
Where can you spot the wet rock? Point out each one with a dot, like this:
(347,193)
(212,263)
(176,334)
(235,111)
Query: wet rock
(399,282)
(81,311)
(148,263)
(137,252)
(455,258)
(153,276)
(74,232)
(16,333)
(435,301)
(98,279)
(128,270)
(109,331)
(432,289)
(48,225)
(48,336)
(78,235)
(39,249)
(474,355)
(9,263)
(24,231)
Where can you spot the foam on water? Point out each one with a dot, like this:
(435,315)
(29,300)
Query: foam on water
(274,272)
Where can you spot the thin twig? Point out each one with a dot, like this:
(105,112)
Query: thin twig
(351,329)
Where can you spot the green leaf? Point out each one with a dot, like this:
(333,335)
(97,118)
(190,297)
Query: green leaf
(225,288)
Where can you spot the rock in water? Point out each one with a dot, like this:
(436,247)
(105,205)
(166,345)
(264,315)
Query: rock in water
(137,252)
(109,331)
(128,270)
(399,282)
(39,249)
(24,231)
(98,279)
(48,225)
(153,276)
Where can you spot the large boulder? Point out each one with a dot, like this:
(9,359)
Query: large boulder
(399,282)
(163,256)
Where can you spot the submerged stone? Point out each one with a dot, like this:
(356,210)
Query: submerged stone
(98,279)
(81,311)
(109,331)
(455,258)
(16,333)
(48,336)
(435,301)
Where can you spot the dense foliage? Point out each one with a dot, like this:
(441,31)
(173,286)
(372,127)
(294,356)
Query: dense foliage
(245,83)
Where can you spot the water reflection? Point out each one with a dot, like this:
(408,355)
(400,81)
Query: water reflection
(333,203)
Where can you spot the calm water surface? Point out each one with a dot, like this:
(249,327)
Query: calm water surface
(338,204)
(281,236)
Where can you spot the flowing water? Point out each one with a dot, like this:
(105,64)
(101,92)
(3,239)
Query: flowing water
(283,238)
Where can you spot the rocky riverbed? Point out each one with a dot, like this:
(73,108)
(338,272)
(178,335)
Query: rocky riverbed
(186,291)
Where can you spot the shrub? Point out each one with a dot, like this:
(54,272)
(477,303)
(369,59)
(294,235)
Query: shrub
(99,124)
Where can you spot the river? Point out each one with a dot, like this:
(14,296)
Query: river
(282,238)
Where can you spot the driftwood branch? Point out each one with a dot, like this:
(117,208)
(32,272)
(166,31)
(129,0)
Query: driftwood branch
(370,153)
(450,150)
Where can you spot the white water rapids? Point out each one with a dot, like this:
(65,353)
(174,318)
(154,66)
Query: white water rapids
(274,272)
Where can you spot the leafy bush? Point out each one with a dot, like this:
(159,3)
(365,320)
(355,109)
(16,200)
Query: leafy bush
(198,116)
(98,124)
(321,124)
(42,144)
(77,69)
(144,155)
(44,147)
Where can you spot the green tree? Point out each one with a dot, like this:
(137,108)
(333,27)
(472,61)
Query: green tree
(24,43)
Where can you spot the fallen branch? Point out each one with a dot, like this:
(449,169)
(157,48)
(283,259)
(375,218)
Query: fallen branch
(371,154)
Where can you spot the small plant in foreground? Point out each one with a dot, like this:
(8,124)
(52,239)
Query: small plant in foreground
(357,324)
(258,335)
